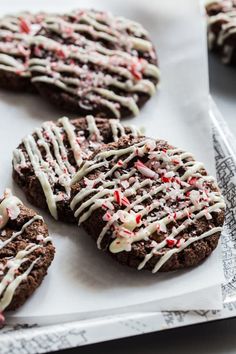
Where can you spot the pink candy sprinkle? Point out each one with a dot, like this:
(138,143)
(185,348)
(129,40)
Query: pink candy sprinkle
(120,163)
(61,54)
(107,216)
(171,242)
(144,170)
(165,179)
(180,242)
(117,196)
(192,181)
(108,205)
(125,201)
(24,26)
(138,218)
(2,319)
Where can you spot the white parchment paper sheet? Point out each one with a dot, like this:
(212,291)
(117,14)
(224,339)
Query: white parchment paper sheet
(82,281)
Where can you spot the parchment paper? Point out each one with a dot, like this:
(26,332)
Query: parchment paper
(84,282)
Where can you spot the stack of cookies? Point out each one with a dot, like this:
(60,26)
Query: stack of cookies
(146,203)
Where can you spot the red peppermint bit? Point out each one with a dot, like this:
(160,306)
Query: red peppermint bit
(187,193)
(171,242)
(164,150)
(144,170)
(176,162)
(120,163)
(24,26)
(175,215)
(18,72)
(128,232)
(180,242)
(188,214)
(104,206)
(69,30)
(135,72)
(138,218)
(125,201)
(117,196)
(165,179)
(2,319)
(107,216)
(61,54)
(192,181)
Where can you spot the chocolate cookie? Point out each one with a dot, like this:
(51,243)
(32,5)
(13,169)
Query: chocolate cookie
(148,204)
(26,252)
(90,62)
(222,29)
(45,161)
(15,33)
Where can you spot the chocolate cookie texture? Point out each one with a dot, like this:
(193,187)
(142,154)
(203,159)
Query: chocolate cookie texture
(222,28)
(148,204)
(91,62)
(26,252)
(15,34)
(45,161)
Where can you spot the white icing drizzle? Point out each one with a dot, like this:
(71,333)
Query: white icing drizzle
(132,221)
(226,19)
(120,69)
(46,152)
(9,270)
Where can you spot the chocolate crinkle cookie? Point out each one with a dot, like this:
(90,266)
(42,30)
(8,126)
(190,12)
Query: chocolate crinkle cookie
(46,161)
(222,28)
(26,252)
(91,62)
(15,34)
(148,204)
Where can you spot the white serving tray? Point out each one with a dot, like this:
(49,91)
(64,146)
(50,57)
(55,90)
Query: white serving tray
(33,339)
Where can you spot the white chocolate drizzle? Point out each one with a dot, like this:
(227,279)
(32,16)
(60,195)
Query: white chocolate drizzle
(46,152)
(122,192)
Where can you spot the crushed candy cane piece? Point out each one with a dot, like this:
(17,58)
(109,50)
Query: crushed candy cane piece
(171,242)
(117,196)
(144,170)
(138,218)
(107,216)
(24,26)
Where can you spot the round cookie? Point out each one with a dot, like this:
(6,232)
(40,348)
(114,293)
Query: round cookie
(90,62)
(26,252)
(15,33)
(222,29)
(148,204)
(45,161)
